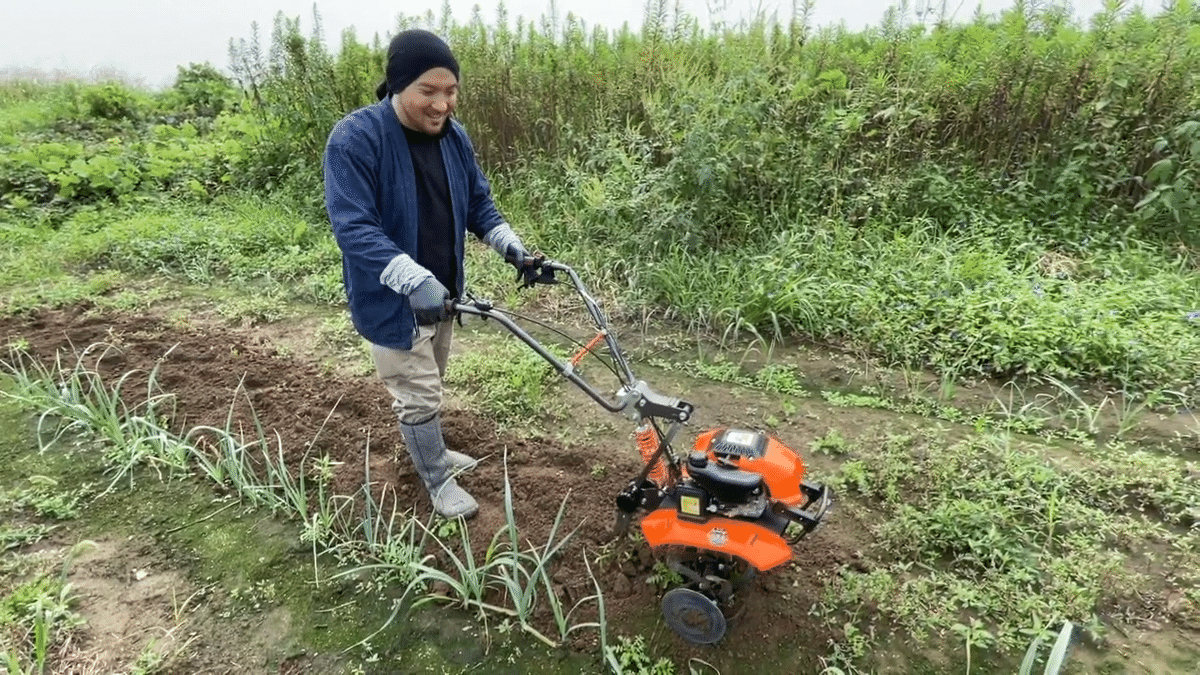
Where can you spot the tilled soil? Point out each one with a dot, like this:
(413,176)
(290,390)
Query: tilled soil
(218,372)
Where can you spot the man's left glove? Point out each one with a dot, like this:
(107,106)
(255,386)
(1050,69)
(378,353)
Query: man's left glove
(516,255)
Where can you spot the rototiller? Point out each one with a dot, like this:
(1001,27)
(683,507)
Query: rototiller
(734,506)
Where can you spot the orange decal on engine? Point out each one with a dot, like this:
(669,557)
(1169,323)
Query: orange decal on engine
(755,544)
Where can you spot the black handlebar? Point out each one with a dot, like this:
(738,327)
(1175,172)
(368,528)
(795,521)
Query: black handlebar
(633,397)
(485,310)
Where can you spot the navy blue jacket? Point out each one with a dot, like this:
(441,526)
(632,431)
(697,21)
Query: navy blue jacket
(371,198)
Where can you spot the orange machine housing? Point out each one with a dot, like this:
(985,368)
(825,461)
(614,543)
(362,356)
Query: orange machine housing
(782,471)
(755,544)
(781,468)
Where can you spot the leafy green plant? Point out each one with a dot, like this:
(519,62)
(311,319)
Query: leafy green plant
(254,309)
(629,657)
(990,528)
(1172,179)
(44,497)
(39,611)
(13,536)
(111,101)
(663,577)
(12,660)
(204,90)
(973,635)
(832,443)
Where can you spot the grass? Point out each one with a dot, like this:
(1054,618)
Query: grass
(46,489)
(1018,518)
(1043,406)
(929,266)
(1000,532)
(978,535)
(508,381)
(964,306)
(873,202)
(194,244)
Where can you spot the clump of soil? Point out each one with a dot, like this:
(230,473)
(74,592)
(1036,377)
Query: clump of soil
(215,371)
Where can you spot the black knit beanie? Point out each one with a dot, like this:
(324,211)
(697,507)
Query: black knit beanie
(410,54)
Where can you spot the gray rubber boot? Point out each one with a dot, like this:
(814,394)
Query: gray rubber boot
(432,461)
(458,461)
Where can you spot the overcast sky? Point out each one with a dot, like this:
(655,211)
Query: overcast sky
(147,39)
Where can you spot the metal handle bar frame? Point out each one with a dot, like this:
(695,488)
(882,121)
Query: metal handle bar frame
(480,309)
(634,393)
(598,317)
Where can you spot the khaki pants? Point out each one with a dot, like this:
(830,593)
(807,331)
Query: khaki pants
(414,376)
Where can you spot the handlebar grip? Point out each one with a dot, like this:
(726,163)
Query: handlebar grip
(531,260)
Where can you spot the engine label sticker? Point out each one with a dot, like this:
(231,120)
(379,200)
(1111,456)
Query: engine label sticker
(742,438)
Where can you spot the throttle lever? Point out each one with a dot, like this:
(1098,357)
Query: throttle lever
(533,271)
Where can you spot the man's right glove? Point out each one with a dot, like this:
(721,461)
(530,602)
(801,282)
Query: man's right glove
(506,242)
(516,255)
(428,301)
(525,262)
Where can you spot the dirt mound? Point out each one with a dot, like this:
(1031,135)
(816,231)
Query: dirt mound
(217,371)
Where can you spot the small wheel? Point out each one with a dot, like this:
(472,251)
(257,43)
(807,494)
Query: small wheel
(693,616)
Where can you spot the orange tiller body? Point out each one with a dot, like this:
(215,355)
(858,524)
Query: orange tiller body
(755,544)
(782,471)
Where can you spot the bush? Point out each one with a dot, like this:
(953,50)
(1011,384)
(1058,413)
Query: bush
(203,90)
(111,102)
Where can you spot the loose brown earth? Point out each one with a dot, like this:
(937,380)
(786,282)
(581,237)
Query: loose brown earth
(317,411)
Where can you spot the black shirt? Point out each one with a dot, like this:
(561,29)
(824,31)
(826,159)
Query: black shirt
(435,227)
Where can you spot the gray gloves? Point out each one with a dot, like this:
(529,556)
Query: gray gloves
(516,255)
(506,242)
(426,295)
(428,301)
(529,267)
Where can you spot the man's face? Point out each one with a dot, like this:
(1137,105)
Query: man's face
(426,104)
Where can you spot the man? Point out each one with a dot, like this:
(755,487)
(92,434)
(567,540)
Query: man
(402,188)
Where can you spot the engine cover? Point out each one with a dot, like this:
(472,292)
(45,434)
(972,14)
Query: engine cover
(781,468)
